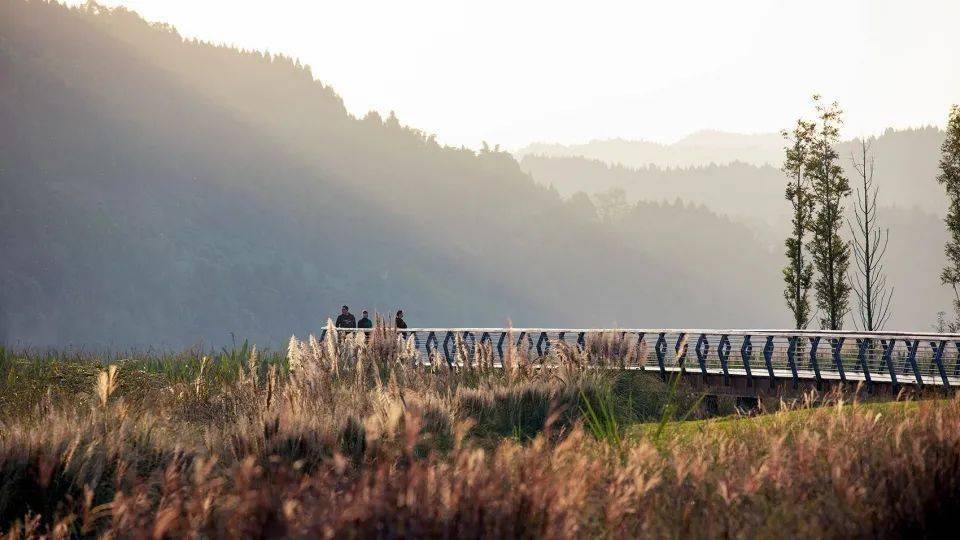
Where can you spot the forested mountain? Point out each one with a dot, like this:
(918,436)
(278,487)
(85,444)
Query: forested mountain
(738,189)
(157,191)
(906,170)
(912,204)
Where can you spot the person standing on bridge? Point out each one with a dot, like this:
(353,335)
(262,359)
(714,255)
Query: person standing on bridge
(346,319)
(364,321)
(399,322)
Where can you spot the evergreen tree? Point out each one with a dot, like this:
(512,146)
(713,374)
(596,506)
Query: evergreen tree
(798,274)
(831,254)
(950,178)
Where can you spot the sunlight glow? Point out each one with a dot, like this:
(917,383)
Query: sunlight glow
(516,72)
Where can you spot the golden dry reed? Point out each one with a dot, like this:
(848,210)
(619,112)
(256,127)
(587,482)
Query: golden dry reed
(360,436)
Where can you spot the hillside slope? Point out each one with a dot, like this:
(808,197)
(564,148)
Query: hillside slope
(911,205)
(906,169)
(158,191)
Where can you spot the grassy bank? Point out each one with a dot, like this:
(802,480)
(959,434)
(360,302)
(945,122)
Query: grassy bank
(353,438)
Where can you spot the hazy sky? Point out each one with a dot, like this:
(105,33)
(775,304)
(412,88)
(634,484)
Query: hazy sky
(513,72)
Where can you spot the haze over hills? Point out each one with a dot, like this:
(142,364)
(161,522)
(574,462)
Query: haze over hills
(906,169)
(714,147)
(730,181)
(160,191)
(911,203)
(698,149)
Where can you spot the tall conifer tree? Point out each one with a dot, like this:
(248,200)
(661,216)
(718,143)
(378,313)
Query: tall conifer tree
(798,274)
(950,178)
(831,253)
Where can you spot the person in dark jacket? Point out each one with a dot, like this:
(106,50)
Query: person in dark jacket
(364,321)
(400,323)
(346,319)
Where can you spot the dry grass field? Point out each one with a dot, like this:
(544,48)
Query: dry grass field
(355,437)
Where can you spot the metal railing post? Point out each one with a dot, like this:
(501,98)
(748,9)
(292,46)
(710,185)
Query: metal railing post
(888,346)
(792,360)
(836,344)
(723,352)
(661,350)
(703,349)
(746,351)
(912,346)
(862,346)
(768,357)
(540,341)
(814,342)
(938,348)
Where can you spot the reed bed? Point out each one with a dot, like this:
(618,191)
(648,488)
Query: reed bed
(360,437)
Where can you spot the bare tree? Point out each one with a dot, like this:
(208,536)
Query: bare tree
(868,280)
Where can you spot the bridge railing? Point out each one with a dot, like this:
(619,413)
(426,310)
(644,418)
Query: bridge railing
(918,358)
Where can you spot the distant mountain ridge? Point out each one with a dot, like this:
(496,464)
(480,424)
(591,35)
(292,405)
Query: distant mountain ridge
(699,149)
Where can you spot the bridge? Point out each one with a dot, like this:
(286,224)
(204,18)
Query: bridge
(738,362)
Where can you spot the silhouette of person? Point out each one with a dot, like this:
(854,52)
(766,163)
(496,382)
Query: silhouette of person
(346,319)
(364,321)
(399,322)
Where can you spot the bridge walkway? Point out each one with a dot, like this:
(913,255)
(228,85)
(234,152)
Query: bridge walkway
(892,358)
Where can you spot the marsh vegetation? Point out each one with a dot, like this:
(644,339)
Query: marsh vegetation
(363,437)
